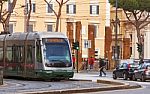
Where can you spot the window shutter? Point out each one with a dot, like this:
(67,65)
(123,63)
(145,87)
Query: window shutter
(33,6)
(49,28)
(27,8)
(74,9)
(10,28)
(90,9)
(30,28)
(50,7)
(67,9)
(10,6)
(95,31)
(97,9)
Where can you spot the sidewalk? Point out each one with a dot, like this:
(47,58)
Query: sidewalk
(111,84)
(92,75)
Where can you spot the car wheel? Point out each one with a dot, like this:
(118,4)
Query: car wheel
(133,78)
(114,76)
(125,77)
(130,78)
(142,78)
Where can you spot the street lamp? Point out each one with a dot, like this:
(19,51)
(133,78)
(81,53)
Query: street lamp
(116,30)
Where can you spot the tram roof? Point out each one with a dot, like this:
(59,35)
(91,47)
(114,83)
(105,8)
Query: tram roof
(31,35)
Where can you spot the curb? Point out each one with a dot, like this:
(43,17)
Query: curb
(118,86)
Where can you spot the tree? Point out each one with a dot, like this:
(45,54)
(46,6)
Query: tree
(137,12)
(6,13)
(28,13)
(58,13)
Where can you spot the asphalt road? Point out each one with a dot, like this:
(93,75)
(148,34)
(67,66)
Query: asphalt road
(144,90)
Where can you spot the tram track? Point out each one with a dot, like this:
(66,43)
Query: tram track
(12,86)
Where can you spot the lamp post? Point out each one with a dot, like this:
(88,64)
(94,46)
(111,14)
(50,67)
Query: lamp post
(116,31)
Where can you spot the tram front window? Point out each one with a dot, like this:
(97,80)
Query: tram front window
(57,54)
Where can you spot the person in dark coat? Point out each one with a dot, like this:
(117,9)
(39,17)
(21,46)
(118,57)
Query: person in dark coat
(141,61)
(102,65)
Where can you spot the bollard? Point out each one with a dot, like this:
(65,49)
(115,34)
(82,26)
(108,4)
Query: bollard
(1,75)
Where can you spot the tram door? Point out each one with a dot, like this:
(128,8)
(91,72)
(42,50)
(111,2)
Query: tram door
(29,59)
(13,58)
(38,61)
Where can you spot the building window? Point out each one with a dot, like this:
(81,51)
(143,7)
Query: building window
(10,6)
(87,43)
(131,37)
(30,28)
(11,28)
(130,51)
(49,28)
(116,55)
(94,9)
(71,9)
(33,7)
(49,8)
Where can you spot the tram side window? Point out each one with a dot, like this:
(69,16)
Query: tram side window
(9,54)
(1,54)
(29,53)
(17,54)
(38,53)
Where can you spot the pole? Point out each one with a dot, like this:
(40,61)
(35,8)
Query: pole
(25,16)
(116,29)
(77,60)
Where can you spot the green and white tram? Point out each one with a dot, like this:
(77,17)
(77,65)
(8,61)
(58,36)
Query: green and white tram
(45,55)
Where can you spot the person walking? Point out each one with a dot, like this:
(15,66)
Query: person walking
(73,60)
(102,65)
(91,62)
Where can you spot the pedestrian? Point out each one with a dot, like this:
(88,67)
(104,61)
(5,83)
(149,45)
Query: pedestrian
(85,64)
(107,63)
(86,61)
(102,65)
(73,60)
(91,62)
(141,61)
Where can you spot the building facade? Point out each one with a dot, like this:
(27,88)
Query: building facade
(93,15)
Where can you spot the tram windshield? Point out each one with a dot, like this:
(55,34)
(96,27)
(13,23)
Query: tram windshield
(56,53)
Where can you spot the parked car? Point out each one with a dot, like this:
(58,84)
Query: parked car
(142,72)
(125,70)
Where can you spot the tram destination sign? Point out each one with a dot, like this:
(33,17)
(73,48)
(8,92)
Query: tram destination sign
(55,40)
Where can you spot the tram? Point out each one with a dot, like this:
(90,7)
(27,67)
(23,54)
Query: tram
(45,55)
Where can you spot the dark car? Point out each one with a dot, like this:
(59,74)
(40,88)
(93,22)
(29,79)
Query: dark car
(125,70)
(142,72)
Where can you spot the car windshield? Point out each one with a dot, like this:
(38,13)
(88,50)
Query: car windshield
(134,65)
(128,64)
(148,67)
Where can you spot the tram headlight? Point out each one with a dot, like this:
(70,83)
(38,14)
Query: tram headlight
(67,64)
(48,64)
